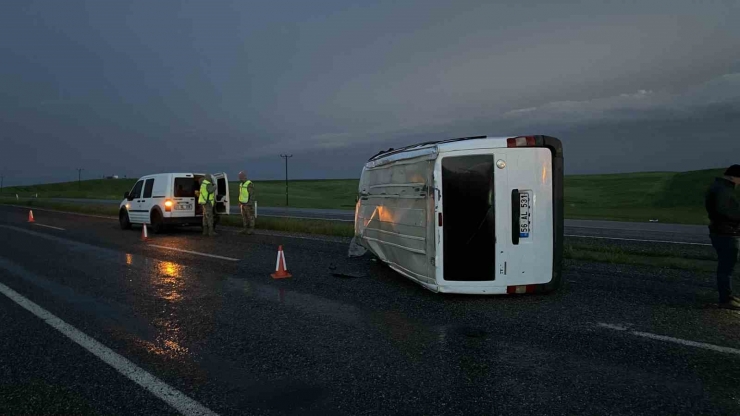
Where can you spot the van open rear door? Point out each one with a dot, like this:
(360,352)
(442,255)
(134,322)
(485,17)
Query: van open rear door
(185,201)
(222,193)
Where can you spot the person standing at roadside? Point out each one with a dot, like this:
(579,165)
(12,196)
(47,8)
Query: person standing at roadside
(723,209)
(246,203)
(206,198)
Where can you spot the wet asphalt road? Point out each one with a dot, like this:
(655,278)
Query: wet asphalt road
(228,336)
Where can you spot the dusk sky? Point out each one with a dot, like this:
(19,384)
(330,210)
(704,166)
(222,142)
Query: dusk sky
(137,87)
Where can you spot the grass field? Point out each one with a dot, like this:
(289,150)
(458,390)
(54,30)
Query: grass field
(666,196)
(669,197)
(338,194)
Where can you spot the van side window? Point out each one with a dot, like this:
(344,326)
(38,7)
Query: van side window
(148,188)
(136,191)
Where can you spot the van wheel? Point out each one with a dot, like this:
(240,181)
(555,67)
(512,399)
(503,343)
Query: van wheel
(124,220)
(157,222)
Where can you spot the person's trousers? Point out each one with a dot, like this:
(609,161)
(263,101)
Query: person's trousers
(247,217)
(208,219)
(727,248)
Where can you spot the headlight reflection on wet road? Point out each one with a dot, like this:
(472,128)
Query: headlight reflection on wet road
(167,283)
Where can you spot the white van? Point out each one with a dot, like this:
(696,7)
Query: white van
(169,199)
(475,215)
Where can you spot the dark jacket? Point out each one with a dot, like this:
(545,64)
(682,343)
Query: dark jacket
(723,208)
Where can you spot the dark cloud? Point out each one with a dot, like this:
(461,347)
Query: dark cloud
(139,86)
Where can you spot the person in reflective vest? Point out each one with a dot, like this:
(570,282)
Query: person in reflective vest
(206,198)
(246,203)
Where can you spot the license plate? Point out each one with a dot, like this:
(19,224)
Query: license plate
(525,214)
(184,206)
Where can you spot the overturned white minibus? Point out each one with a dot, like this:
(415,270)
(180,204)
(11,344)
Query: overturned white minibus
(474,215)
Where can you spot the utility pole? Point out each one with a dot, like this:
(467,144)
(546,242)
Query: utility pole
(286,176)
(2,180)
(79,177)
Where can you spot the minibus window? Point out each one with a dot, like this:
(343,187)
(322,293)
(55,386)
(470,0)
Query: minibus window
(469,222)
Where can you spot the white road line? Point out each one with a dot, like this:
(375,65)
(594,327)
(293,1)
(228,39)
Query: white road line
(711,347)
(307,218)
(327,238)
(173,397)
(194,252)
(49,226)
(634,239)
(319,237)
(612,326)
(60,212)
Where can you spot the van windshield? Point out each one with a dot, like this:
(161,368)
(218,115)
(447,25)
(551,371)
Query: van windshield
(185,187)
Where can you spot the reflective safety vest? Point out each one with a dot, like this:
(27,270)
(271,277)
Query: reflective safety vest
(244,192)
(204,195)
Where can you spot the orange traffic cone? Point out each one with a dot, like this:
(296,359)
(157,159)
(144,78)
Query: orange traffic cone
(144,234)
(281,270)
(30,216)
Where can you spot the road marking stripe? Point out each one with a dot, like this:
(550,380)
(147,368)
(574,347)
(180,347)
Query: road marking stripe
(60,212)
(318,237)
(49,226)
(711,347)
(307,218)
(634,239)
(194,252)
(173,397)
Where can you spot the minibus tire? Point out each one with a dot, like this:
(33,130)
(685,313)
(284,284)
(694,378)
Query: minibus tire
(157,222)
(123,220)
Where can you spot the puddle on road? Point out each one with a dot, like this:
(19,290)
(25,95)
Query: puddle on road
(173,287)
(171,284)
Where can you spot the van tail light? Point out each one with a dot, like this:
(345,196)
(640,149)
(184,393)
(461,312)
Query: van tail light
(168,205)
(523,141)
(521,289)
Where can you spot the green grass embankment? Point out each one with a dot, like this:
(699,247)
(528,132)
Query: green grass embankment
(666,196)
(669,197)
